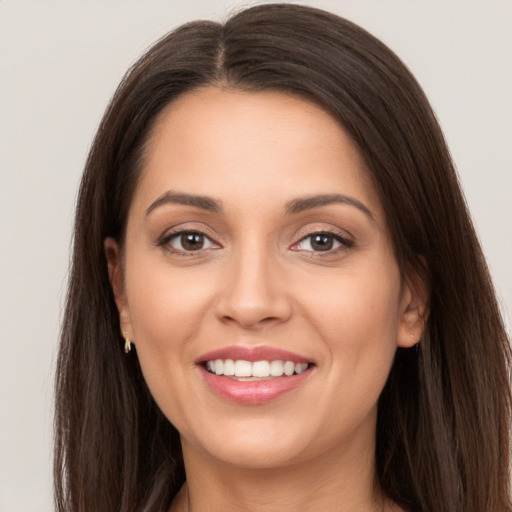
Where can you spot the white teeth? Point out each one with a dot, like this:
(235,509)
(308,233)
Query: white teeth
(288,368)
(258,369)
(229,367)
(300,367)
(276,368)
(261,369)
(219,367)
(243,368)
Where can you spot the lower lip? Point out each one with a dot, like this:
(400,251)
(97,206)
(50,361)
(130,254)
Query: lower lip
(253,391)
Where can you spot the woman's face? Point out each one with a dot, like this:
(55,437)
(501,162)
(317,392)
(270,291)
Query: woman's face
(256,246)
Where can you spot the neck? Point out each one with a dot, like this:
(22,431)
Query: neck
(341,480)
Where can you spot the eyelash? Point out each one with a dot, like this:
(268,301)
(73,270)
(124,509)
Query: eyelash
(165,242)
(344,242)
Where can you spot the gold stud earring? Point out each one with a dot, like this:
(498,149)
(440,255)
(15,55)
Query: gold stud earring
(127,343)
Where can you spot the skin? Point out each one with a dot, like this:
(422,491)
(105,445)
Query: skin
(258,281)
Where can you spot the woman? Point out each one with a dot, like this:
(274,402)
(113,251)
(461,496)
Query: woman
(277,298)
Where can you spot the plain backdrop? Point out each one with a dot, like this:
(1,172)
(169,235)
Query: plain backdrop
(59,65)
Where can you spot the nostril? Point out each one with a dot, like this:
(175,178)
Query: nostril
(254,300)
(248,321)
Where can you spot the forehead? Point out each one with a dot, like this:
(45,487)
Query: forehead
(223,118)
(232,143)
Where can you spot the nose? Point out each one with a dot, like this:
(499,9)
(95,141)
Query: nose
(254,291)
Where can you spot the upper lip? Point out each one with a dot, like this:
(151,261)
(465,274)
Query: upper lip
(252,353)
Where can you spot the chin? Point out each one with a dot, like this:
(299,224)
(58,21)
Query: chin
(256,444)
(256,456)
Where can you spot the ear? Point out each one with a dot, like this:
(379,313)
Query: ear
(116,278)
(414,311)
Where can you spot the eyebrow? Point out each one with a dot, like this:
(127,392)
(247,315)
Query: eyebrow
(203,202)
(292,207)
(306,203)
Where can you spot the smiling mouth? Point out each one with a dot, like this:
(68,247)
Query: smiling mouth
(255,375)
(242,370)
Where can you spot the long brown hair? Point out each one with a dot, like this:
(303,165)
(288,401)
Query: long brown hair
(443,433)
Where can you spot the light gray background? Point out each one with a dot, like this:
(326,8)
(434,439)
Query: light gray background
(59,65)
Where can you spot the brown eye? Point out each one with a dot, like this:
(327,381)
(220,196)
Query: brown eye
(192,241)
(322,242)
(188,241)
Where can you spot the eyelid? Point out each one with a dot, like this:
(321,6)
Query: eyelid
(170,234)
(344,240)
(185,227)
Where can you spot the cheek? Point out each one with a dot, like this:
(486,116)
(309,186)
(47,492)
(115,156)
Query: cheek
(357,315)
(355,318)
(165,305)
(166,312)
